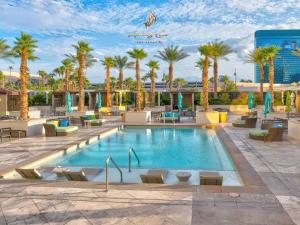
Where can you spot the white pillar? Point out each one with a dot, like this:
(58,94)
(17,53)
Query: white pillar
(193,105)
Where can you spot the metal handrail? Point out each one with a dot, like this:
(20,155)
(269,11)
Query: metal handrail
(129,158)
(109,158)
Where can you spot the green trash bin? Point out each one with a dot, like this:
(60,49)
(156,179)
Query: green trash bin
(223,117)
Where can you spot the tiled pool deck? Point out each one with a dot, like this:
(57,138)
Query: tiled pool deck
(274,202)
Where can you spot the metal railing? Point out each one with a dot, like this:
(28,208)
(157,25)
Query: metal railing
(109,158)
(129,158)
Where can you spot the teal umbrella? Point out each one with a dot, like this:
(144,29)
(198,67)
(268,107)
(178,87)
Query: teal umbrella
(250,101)
(268,101)
(69,102)
(179,101)
(99,102)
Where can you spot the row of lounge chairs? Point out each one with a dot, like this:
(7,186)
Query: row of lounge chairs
(151,177)
(8,133)
(270,130)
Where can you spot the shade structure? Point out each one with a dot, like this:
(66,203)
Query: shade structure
(69,102)
(179,101)
(250,101)
(99,101)
(268,101)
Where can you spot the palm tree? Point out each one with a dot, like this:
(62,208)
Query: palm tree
(24,48)
(83,51)
(270,53)
(138,54)
(153,65)
(121,64)
(171,55)
(258,56)
(179,82)
(42,74)
(108,62)
(206,51)
(68,67)
(5,51)
(165,78)
(59,71)
(219,50)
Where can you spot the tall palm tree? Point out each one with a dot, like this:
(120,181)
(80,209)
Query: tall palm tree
(68,67)
(121,64)
(171,55)
(5,51)
(270,53)
(83,51)
(24,49)
(258,56)
(206,51)
(108,62)
(59,71)
(138,54)
(153,65)
(219,50)
(42,74)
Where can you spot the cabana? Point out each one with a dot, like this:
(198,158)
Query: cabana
(59,100)
(9,101)
(188,98)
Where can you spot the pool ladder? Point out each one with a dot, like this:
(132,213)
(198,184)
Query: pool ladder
(109,158)
(129,158)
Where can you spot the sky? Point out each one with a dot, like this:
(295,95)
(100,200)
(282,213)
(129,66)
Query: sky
(106,24)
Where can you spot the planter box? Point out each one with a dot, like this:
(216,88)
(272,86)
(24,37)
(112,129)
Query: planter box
(138,117)
(294,129)
(204,118)
(33,127)
(33,114)
(76,114)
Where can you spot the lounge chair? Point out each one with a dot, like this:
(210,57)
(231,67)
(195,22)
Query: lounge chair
(81,175)
(154,176)
(249,114)
(270,134)
(170,117)
(210,178)
(249,122)
(95,121)
(51,130)
(5,133)
(29,173)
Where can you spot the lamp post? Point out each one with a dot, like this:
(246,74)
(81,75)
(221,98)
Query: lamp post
(234,77)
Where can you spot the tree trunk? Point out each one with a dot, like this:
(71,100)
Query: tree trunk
(23,95)
(81,84)
(121,77)
(215,78)
(67,72)
(108,100)
(170,77)
(138,85)
(262,81)
(152,88)
(205,84)
(271,78)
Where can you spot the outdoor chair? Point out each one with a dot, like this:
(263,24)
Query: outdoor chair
(51,130)
(269,134)
(81,175)
(95,120)
(154,176)
(170,117)
(210,178)
(249,122)
(5,133)
(249,114)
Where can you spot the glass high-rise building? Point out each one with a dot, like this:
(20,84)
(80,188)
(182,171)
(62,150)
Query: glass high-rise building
(286,65)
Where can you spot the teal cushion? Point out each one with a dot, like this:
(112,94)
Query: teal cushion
(258,132)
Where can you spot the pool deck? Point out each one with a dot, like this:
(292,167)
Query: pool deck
(275,201)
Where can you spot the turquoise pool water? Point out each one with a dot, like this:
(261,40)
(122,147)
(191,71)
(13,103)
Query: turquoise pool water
(170,148)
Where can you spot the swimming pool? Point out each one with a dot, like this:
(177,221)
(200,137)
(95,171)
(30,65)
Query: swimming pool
(157,148)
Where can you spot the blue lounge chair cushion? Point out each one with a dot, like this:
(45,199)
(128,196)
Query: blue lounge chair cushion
(64,123)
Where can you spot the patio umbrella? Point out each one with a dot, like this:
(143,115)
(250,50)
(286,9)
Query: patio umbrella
(69,102)
(268,101)
(250,101)
(99,101)
(179,101)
